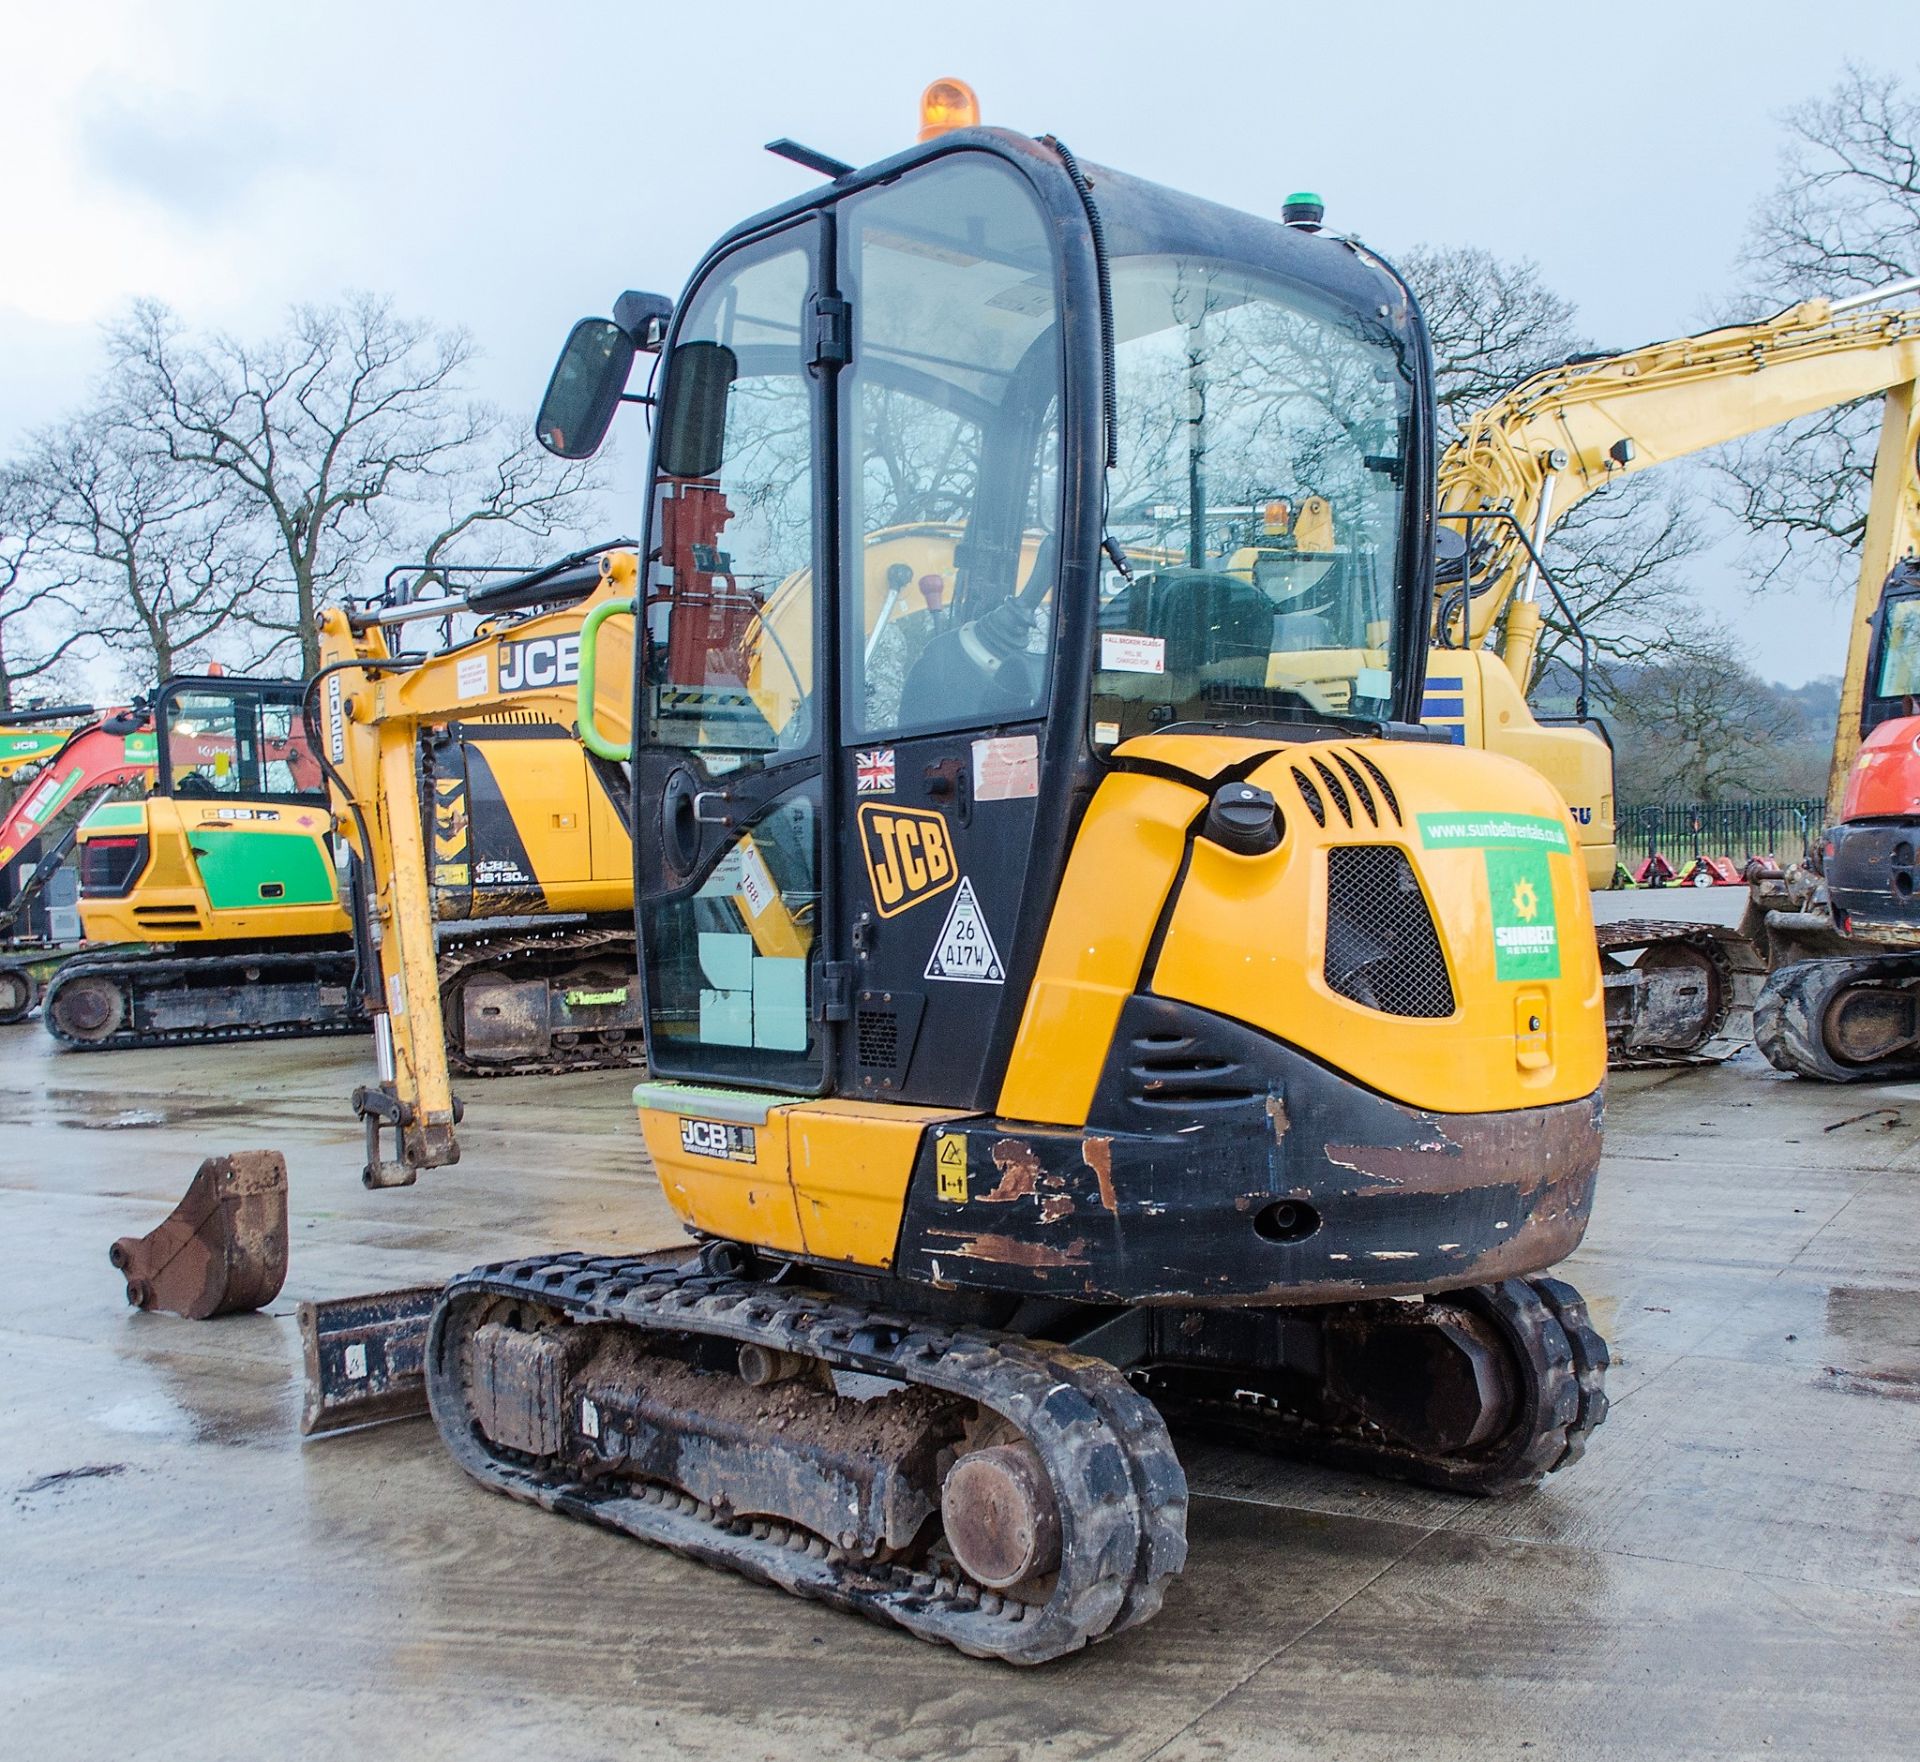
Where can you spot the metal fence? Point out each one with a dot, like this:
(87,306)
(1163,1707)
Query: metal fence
(1778,826)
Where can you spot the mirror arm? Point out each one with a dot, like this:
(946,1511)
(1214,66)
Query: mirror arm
(638,398)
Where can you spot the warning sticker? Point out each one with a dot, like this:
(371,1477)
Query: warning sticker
(950,1157)
(756,884)
(1526,940)
(470,676)
(1006,769)
(965,950)
(1123,652)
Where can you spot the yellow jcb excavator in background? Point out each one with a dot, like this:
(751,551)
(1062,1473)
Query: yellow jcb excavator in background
(492,867)
(1674,992)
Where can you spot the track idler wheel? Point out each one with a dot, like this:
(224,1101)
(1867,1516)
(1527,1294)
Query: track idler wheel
(86,1011)
(1484,1390)
(17,996)
(223,1248)
(1000,1516)
(1842,1021)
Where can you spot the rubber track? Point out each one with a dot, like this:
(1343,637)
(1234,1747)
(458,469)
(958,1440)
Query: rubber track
(1740,965)
(1789,1020)
(1122,1493)
(329,967)
(541,953)
(1562,1358)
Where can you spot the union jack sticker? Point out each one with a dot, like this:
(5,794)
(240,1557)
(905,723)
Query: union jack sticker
(873,771)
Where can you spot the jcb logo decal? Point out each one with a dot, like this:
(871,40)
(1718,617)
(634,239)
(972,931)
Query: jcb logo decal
(539,662)
(909,856)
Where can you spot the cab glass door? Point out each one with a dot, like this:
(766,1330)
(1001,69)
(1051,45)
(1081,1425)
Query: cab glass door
(728,834)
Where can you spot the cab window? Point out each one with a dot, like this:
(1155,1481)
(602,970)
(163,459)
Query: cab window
(950,444)
(239,745)
(1262,462)
(1900,655)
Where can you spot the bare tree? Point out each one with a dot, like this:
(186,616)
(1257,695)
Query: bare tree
(347,436)
(1620,557)
(1700,729)
(1493,322)
(1843,217)
(158,559)
(41,630)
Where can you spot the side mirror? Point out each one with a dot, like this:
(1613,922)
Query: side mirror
(585,389)
(693,415)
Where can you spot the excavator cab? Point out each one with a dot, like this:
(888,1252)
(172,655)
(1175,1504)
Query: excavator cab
(1079,997)
(1893,654)
(225,870)
(881,667)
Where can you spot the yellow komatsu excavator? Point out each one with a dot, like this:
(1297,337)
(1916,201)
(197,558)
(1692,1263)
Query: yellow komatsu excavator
(1673,992)
(1061,1025)
(215,898)
(492,865)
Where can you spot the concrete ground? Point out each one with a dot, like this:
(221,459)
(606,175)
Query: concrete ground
(1733,1570)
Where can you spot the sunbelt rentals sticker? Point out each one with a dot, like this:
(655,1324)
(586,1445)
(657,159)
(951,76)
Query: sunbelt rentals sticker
(1526,940)
(1515,848)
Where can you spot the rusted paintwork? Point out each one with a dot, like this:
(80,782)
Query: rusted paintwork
(1097,1153)
(1278,1182)
(222,1249)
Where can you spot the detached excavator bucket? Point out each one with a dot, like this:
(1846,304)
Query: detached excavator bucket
(224,1247)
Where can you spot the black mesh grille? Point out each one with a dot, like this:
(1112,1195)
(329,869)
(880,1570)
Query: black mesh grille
(878,1032)
(1382,949)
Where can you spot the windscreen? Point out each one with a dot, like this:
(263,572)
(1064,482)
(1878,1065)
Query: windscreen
(1900,651)
(239,745)
(1262,466)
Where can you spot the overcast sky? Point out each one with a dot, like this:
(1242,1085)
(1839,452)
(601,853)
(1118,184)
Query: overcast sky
(510,168)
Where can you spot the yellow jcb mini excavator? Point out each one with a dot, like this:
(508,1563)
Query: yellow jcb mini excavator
(1674,993)
(493,869)
(220,885)
(1144,1045)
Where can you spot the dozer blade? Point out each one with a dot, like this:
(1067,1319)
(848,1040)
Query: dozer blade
(365,1355)
(364,1358)
(223,1249)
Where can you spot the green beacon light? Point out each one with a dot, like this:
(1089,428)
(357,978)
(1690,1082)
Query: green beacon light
(1303,209)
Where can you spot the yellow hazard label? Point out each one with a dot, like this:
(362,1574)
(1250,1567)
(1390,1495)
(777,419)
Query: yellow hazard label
(950,1156)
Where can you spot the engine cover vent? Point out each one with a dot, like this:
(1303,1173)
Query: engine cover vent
(1382,949)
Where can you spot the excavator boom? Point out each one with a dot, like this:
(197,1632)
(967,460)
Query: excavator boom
(494,889)
(1572,430)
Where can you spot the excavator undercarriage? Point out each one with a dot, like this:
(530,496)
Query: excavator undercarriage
(985,1482)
